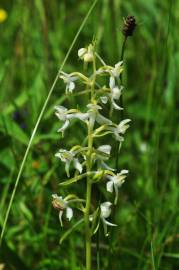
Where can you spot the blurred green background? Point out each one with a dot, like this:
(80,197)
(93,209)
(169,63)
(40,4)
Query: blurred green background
(35,36)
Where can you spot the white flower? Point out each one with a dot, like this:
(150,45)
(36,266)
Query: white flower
(62,205)
(69,81)
(105,213)
(104,99)
(116,182)
(81,52)
(94,115)
(105,149)
(122,126)
(119,129)
(67,157)
(115,72)
(86,54)
(65,115)
(115,93)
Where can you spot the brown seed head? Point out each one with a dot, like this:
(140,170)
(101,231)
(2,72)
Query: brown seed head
(129,26)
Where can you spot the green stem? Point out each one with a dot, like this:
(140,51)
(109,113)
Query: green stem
(87,225)
(88,200)
(121,101)
(89,183)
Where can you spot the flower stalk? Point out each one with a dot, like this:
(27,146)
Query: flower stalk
(89,160)
(89,183)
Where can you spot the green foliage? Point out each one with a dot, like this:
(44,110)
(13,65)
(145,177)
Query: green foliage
(34,40)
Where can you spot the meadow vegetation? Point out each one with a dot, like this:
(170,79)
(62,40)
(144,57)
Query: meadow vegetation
(35,37)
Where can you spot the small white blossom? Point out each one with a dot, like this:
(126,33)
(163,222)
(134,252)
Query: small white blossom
(105,149)
(67,157)
(105,213)
(115,93)
(94,115)
(62,205)
(86,54)
(119,129)
(117,69)
(66,115)
(69,81)
(114,72)
(116,182)
(104,99)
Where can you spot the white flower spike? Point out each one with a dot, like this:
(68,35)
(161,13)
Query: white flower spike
(105,213)
(116,182)
(62,205)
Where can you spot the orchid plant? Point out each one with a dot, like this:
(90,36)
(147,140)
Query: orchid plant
(89,160)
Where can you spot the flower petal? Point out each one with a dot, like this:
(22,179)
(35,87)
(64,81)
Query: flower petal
(124,171)
(65,125)
(109,223)
(71,86)
(69,213)
(109,186)
(116,92)
(78,165)
(115,106)
(105,209)
(100,119)
(81,116)
(60,217)
(104,99)
(67,168)
(105,166)
(112,82)
(106,148)
(81,52)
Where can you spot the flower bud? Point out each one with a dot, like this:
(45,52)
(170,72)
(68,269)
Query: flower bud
(86,54)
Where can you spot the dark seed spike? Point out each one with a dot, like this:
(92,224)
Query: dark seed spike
(129,26)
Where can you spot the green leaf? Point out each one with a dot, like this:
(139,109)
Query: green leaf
(12,129)
(96,221)
(76,179)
